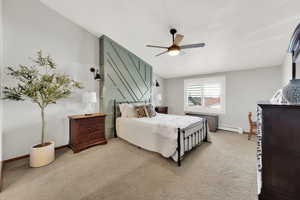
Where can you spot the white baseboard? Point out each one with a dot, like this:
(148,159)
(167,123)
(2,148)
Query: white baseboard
(232,129)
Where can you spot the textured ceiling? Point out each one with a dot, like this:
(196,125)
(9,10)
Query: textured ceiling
(240,34)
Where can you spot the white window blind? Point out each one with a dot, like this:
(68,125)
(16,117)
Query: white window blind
(205,95)
(195,93)
(211,90)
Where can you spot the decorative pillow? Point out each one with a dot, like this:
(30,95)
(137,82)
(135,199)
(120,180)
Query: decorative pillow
(146,111)
(150,110)
(140,111)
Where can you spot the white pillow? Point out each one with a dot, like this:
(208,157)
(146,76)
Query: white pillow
(130,111)
(127,110)
(122,109)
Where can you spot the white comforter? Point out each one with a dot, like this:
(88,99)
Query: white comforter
(158,134)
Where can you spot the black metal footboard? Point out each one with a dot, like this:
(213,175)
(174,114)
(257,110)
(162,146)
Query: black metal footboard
(191,137)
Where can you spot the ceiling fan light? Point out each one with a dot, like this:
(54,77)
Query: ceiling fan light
(174,52)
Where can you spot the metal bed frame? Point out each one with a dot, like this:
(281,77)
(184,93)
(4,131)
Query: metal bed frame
(191,140)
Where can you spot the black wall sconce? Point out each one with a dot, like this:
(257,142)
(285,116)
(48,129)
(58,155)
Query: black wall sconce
(96,73)
(156,84)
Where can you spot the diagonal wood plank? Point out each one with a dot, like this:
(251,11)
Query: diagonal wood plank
(126,68)
(122,79)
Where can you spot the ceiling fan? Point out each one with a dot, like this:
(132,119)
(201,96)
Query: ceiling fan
(175,49)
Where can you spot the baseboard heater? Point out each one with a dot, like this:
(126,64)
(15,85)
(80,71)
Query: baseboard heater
(232,129)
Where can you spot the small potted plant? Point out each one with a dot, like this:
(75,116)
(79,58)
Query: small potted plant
(42,85)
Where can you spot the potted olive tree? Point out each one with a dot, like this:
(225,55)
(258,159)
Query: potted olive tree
(42,85)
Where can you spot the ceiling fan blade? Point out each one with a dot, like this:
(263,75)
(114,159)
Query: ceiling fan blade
(189,46)
(154,46)
(161,53)
(178,39)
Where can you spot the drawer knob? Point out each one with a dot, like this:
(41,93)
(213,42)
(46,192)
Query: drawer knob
(90,130)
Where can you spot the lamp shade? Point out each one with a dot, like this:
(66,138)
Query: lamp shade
(89,97)
(159,97)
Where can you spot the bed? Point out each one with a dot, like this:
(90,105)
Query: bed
(170,135)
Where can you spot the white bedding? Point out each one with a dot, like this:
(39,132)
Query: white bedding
(158,134)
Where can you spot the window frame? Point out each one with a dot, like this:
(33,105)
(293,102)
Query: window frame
(203,109)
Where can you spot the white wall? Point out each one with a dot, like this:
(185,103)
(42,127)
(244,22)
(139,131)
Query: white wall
(156,91)
(243,90)
(28,27)
(1,67)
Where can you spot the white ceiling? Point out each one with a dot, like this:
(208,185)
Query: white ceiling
(240,34)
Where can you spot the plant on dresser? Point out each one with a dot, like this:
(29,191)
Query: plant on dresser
(42,85)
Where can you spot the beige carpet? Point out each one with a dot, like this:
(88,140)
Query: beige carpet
(223,170)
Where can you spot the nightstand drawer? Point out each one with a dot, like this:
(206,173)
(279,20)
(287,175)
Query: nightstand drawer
(88,128)
(91,121)
(90,135)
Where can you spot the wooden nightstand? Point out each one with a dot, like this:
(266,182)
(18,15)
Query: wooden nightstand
(86,131)
(162,109)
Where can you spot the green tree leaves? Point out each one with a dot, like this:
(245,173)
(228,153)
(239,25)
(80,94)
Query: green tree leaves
(39,82)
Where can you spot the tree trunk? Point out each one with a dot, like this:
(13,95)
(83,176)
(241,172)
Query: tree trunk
(43,125)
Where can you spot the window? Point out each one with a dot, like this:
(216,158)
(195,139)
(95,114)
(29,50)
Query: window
(205,95)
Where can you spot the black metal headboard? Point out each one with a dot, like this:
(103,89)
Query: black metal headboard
(117,113)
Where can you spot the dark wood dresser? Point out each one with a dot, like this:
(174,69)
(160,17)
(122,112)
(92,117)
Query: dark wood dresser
(212,119)
(86,131)
(162,109)
(278,155)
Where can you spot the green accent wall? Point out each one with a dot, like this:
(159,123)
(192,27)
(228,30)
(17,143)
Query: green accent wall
(126,77)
